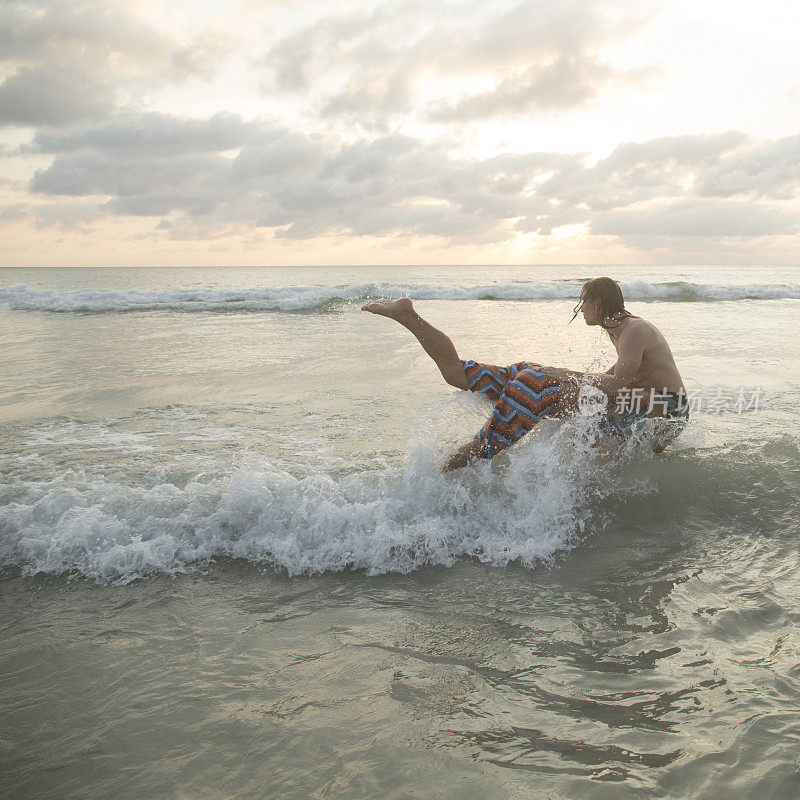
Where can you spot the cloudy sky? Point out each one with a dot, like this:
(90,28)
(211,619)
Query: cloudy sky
(395,131)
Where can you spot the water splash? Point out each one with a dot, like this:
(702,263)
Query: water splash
(526,505)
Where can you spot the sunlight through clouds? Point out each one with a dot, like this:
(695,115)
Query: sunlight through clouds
(506,131)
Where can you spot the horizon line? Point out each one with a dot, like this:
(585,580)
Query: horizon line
(616,265)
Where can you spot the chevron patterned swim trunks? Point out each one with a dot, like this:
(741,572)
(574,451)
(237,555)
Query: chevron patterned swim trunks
(522,394)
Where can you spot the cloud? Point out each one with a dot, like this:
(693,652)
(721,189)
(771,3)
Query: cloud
(346,38)
(771,170)
(136,183)
(81,32)
(65,62)
(697,217)
(223,173)
(302,184)
(202,56)
(152,134)
(281,153)
(53,96)
(638,171)
(375,66)
(16,211)
(565,83)
(67,216)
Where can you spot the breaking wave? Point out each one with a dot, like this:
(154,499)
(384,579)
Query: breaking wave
(325,514)
(167,512)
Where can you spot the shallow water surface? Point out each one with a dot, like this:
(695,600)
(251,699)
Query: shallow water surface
(232,568)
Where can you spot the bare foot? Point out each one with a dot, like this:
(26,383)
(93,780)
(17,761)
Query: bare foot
(393,309)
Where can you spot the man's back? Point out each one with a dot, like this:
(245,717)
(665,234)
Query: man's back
(656,368)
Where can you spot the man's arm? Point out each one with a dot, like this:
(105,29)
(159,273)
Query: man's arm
(465,454)
(610,370)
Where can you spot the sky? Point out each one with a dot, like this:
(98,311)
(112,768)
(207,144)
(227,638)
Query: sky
(266,132)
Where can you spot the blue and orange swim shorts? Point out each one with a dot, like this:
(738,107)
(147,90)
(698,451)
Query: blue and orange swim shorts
(522,393)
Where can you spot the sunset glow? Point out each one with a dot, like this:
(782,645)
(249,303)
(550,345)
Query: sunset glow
(142,133)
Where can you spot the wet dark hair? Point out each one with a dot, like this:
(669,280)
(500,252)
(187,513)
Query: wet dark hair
(610,302)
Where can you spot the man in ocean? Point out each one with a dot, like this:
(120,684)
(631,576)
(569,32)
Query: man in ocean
(643,383)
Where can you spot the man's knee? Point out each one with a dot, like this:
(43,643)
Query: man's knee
(455,376)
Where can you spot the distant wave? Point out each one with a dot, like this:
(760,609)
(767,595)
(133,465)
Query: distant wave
(321,298)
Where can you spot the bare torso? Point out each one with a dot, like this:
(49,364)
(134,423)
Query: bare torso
(657,371)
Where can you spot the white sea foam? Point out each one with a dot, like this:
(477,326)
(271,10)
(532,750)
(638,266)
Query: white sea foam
(525,505)
(313,509)
(299,298)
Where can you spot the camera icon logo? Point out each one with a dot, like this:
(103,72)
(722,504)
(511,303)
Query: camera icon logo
(591,401)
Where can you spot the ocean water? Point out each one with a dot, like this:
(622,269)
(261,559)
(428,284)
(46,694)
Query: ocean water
(231,565)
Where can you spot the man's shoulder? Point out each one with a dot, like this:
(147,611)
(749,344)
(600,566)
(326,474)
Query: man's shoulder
(636,328)
(641,333)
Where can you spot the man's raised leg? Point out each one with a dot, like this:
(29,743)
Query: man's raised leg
(436,344)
